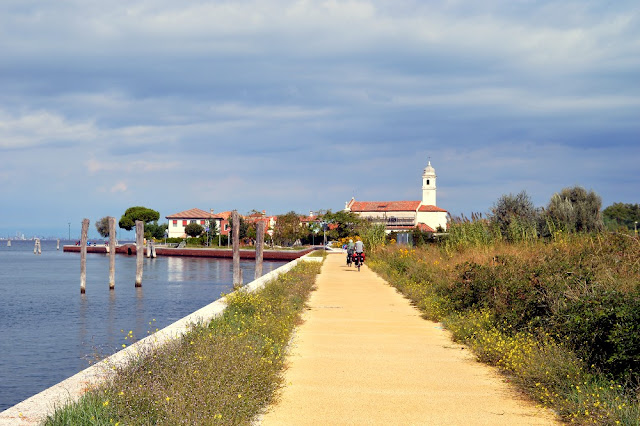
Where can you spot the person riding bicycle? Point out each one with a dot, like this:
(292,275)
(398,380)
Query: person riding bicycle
(359,248)
(350,250)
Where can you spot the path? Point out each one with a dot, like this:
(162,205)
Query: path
(365,356)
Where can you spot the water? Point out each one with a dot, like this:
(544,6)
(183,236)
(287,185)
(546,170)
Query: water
(49,331)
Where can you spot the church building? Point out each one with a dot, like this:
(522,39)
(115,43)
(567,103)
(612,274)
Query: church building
(401,216)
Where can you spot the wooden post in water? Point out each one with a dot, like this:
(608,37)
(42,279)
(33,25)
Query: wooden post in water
(83,255)
(235,221)
(151,248)
(259,248)
(112,253)
(139,251)
(37,248)
(58,244)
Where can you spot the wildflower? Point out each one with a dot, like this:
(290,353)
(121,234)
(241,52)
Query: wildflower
(168,398)
(104,404)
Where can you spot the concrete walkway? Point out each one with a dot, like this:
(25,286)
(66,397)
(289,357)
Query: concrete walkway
(365,356)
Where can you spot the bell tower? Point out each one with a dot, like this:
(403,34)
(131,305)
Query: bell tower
(429,186)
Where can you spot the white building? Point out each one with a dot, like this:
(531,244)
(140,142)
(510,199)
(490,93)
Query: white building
(406,215)
(179,221)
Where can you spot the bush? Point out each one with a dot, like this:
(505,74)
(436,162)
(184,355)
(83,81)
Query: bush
(515,216)
(575,210)
(562,317)
(194,230)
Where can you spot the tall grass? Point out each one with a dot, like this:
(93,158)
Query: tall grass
(560,317)
(223,372)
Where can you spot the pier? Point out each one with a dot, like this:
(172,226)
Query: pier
(130,249)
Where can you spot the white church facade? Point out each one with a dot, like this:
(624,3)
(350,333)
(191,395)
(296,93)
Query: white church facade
(403,216)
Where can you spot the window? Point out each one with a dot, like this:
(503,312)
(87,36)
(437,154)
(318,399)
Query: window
(427,182)
(226,226)
(202,222)
(184,223)
(192,221)
(175,223)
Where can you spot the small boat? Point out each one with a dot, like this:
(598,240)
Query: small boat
(8,243)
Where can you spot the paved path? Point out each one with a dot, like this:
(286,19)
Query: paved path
(365,356)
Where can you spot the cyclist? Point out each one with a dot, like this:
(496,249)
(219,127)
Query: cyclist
(350,250)
(359,247)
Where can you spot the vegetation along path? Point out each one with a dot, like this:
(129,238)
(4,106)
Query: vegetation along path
(364,355)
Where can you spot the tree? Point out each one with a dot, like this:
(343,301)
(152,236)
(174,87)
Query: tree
(622,215)
(243,227)
(346,223)
(575,210)
(288,229)
(148,216)
(193,230)
(154,230)
(102,226)
(514,216)
(128,219)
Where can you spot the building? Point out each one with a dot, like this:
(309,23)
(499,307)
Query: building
(269,221)
(179,221)
(402,216)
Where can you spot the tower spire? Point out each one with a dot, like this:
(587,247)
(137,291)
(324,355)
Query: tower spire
(429,185)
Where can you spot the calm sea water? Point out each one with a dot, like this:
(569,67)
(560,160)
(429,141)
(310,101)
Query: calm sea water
(49,331)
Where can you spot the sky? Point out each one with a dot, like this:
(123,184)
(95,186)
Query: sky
(300,105)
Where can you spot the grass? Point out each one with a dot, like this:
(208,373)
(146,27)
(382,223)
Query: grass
(558,318)
(223,372)
(318,253)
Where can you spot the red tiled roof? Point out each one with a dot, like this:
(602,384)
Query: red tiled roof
(223,215)
(425,228)
(384,206)
(431,209)
(192,214)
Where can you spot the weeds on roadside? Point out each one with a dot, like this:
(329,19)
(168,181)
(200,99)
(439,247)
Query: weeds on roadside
(559,318)
(223,372)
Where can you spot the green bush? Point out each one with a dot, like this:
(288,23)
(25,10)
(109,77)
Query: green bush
(562,317)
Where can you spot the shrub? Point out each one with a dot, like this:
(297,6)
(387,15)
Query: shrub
(561,317)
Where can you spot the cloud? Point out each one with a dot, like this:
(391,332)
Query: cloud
(41,128)
(119,187)
(136,166)
(291,104)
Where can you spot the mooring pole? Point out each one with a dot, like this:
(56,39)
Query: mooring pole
(58,244)
(83,255)
(235,221)
(112,253)
(139,251)
(259,248)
